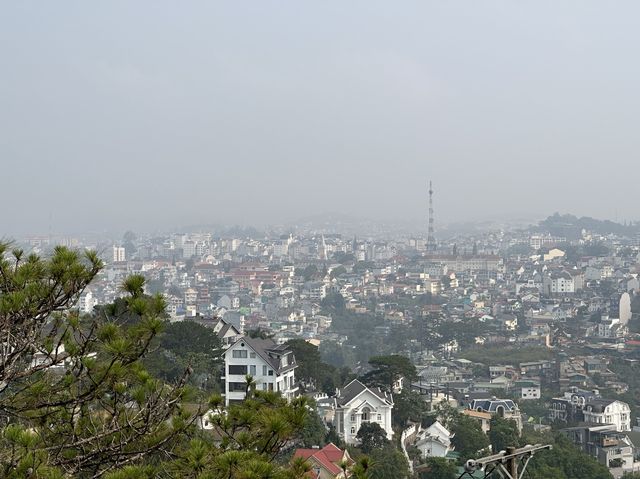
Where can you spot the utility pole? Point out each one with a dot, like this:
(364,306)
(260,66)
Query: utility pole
(507,463)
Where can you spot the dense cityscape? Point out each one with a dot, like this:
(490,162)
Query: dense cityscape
(319,240)
(459,344)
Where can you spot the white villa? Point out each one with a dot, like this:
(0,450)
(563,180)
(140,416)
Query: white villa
(356,404)
(271,365)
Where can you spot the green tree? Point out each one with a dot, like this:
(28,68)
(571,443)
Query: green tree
(408,406)
(309,272)
(438,468)
(388,463)
(253,434)
(371,437)
(333,301)
(308,359)
(469,438)
(314,432)
(259,333)
(76,398)
(503,434)
(187,345)
(388,369)
(338,271)
(564,461)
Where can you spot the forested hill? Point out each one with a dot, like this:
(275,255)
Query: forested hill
(570,226)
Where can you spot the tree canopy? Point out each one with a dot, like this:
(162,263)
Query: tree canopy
(389,369)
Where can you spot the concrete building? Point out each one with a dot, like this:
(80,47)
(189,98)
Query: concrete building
(119,255)
(434,441)
(271,366)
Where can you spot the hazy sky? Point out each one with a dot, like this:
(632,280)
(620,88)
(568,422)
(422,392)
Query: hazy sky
(143,114)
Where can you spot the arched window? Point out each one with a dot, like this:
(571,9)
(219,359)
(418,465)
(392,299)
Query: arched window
(365,414)
(500,411)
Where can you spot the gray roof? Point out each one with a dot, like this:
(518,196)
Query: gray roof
(270,352)
(491,405)
(355,387)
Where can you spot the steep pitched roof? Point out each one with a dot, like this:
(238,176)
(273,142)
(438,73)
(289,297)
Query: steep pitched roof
(355,388)
(265,348)
(329,457)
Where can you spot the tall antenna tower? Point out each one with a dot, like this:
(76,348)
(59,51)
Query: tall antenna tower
(431,239)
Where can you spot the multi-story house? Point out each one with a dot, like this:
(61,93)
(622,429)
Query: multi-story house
(271,366)
(527,389)
(588,406)
(608,446)
(558,283)
(356,404)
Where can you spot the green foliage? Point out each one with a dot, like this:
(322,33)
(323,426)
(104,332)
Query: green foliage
(537,409)
(337,272)
(186,345)
(253,434)
(571,226)
(439,468)
(333,302)
(78,401)
(77,395)
(388,463)
(408,406)
(387,370)
(259,333)
(362,266)
(564,461)
(314,373)
(468,439)
(503,434)
(309,272)
(314,432)
(371,437)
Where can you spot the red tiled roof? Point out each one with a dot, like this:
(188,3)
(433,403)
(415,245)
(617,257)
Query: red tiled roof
(328,457)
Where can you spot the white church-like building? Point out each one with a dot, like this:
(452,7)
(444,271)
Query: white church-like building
(357,404)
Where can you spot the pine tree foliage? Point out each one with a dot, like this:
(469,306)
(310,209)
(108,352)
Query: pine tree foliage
(75,397)
(77,401)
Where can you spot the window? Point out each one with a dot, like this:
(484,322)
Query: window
(353,430)
(353,418)
(264,370)
(252,370)
(264,386)
(252,355)
(240,353)
(365,413)
(237,387)
(237,369)
(270,386)
(270,372)
(379,417)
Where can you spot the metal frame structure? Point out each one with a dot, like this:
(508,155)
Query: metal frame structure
(431,239)
(506,463)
